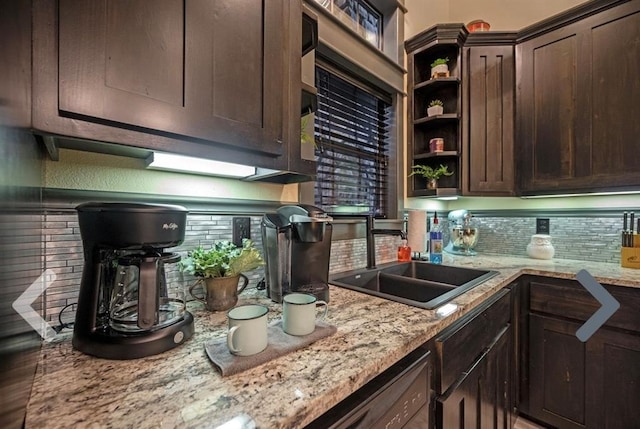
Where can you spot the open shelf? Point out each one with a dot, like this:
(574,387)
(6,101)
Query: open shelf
(435,83)
(309,99)
(438,192)
(438,118)
(438,42)
(443,154)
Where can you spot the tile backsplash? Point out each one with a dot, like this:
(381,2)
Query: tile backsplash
(583,238)
(64,253)
(586,238)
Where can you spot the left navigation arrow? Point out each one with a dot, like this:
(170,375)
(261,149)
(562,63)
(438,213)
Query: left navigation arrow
(23,307)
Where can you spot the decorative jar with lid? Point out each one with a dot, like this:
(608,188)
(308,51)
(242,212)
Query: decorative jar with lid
(540,247)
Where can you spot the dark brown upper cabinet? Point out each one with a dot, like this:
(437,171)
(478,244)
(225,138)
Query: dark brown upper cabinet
(578,101)
(216,79)
(488,118)
(478,122)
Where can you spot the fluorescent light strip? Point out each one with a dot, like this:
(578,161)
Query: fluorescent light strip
(586,194)
(188,164)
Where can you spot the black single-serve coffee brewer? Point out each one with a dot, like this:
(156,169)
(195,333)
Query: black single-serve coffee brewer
(132,298)
(297,247)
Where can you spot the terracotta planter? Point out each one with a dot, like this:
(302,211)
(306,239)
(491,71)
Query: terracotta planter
(478,25)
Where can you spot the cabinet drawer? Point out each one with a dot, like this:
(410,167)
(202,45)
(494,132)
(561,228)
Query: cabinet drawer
(569,299)
(460,345)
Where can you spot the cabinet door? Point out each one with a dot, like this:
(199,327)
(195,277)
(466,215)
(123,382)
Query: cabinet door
(557,371)
(583,385)
(613,380)
(488,121)
(578,104)
(482,398)
(201,69)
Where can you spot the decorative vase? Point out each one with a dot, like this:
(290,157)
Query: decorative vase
(220,293)
(478,25)
(540,247)
(435,110)
(432,183)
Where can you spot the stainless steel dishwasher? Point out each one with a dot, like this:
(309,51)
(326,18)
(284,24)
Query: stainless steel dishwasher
(400,397)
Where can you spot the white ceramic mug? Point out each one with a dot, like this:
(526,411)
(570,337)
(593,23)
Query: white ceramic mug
(247,329)
(299,313)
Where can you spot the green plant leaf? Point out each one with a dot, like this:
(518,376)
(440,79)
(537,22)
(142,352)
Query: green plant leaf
(439,61)
(224,259)
(429,172)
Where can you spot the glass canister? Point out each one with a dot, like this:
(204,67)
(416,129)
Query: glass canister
(540,247)
(166,301)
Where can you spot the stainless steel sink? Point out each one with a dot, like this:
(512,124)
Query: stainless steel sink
(416,283)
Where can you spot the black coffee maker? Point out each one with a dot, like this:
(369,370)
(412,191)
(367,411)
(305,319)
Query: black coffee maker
(297,247)
(132,300)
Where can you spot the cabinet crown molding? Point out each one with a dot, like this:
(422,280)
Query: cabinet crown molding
(439,34)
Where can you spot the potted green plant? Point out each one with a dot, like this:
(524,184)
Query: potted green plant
(220,270)
(435,108)
(430,174)
(439,68)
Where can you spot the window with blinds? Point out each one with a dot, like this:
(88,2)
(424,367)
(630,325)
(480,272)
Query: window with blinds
(352,125)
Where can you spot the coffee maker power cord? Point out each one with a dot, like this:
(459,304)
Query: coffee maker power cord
(62,324)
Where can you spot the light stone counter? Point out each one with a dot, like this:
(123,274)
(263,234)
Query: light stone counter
(181,389)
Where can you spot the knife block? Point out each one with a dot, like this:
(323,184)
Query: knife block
(630,256)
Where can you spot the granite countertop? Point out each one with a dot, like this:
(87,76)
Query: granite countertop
(181,388)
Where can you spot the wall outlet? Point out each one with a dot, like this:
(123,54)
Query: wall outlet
(542,226)
(241,229)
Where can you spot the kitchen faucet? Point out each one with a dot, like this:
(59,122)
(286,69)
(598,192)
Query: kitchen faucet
(371,232)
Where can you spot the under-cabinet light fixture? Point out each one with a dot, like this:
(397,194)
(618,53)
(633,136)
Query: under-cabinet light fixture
(586,194)
(188,164)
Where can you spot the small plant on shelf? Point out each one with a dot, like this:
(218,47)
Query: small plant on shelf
(439,68)
(439,61)
(435,108)
(430,174)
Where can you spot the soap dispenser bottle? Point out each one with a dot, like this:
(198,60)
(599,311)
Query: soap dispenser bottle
(435,241)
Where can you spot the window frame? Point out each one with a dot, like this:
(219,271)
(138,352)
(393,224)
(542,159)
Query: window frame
(385,70)
(390,145)
(355,24)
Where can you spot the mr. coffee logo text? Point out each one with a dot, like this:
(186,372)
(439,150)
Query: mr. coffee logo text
(170,226)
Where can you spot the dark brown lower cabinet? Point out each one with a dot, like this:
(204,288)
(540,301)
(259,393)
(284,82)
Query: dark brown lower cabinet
(573,384)
(557,373)
(481,398)
(472,378)
(583,385)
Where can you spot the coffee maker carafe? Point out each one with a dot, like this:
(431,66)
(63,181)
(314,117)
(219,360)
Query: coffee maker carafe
(132,298)
(297,247)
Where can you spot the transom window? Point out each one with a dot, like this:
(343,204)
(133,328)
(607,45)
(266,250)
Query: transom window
(363,18)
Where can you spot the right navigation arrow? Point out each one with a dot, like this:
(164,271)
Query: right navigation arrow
(609,305)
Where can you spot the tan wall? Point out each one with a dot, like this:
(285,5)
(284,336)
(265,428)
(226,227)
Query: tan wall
(501,14)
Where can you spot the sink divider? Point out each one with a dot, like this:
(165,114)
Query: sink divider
(413,280)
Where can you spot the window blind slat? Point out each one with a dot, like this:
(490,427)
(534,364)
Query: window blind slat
(352,135)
